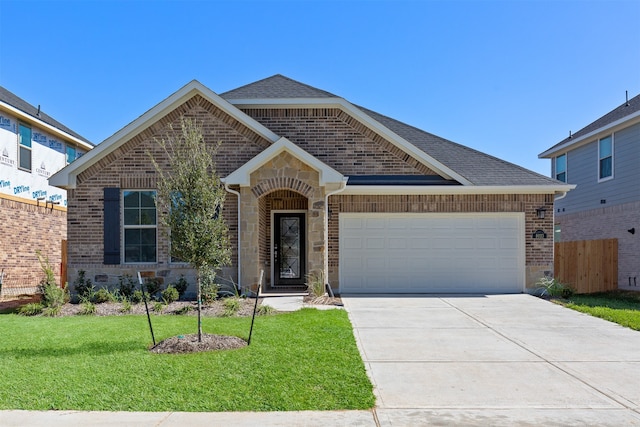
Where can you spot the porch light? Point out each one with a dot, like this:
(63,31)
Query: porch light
(540,212)
(632,230)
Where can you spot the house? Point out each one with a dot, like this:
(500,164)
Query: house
(33,146)
(318,185)
(601,159)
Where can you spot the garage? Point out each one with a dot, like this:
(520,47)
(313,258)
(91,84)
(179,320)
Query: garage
(432,253)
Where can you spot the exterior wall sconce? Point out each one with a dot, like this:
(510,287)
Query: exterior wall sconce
(51,202)
(632,230)
(540,213)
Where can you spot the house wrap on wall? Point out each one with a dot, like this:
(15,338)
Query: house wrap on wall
(317,184)
(601,159)
(33,146)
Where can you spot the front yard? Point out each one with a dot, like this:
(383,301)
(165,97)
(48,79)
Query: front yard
(306,360)
(617,306)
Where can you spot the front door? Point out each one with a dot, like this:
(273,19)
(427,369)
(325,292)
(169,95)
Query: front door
(289,249)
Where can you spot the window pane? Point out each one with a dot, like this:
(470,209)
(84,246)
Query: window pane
(147,199)
(131,199)
(148,236)
(132,237)
(25,158)
(562,177)
(561,164)
(605,147)
(71,154)
(148,216)
(605,168)
(25,136)
(131,216)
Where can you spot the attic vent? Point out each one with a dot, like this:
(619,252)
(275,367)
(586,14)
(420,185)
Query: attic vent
(570,136)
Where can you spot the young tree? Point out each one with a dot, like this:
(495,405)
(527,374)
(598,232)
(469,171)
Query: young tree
(190,201)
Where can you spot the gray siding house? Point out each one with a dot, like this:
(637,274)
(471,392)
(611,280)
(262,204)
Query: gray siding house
(602,159)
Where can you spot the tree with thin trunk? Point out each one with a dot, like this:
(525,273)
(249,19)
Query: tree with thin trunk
(190,201)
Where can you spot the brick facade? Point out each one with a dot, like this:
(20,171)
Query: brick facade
(610,222)
(26,228)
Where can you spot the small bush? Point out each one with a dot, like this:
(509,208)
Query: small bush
(31,309)
(126,285)
(87,308)
(137,297)
(181,286)
(152,286)
(158,306)
(83,286)
(170,294)
(52,311)
(103,295)
(52,295)
(126,306)
(209,288)
(549,286)
(231,307)
(265,310)
(315,284)
(184,310)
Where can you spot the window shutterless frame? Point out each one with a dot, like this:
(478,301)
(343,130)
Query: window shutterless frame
(139,227)
(605,158)
(24,147)
(560,167)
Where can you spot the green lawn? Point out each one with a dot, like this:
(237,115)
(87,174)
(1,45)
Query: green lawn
(617,306)
(306,360)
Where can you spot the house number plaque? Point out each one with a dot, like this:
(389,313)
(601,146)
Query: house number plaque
(539,234)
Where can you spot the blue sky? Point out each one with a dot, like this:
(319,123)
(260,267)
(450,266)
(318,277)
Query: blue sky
(509,78)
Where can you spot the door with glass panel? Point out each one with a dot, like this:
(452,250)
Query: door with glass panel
(289,249)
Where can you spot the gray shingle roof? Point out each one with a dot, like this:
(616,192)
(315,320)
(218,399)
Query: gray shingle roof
(20,104)
(277,86)
(618,113)
(477,167)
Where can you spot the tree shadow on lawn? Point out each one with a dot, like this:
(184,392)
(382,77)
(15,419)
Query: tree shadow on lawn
(93,348)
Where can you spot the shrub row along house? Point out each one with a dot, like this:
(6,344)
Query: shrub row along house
(317,185)
(33,146)
(601,159)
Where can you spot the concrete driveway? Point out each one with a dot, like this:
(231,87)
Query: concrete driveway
(495,360)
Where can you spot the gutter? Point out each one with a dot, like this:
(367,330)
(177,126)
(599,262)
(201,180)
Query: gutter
(237,193)
(343,186)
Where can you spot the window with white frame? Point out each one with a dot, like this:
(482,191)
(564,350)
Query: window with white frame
(24,147)
(605,158)
(561,168)
(139,226)
(71,153)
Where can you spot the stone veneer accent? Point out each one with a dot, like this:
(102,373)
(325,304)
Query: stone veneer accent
(538,252)
(611,222)
(26,228)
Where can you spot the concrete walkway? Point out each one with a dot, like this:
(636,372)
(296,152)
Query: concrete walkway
(498,360)
(495,360)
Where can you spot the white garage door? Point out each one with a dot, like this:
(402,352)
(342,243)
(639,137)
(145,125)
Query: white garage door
(431,253)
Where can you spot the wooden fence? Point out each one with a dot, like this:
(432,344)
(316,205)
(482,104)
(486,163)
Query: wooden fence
(587,266)
(63,264)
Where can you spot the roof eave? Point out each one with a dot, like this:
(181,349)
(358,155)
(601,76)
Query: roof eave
(54,130)
(371,123)
(455,190)
(626,121)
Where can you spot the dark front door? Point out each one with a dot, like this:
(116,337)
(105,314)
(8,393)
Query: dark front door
(289,249)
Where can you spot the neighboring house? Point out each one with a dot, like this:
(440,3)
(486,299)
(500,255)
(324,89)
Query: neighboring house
(33,146)
(317,184)
(602,160)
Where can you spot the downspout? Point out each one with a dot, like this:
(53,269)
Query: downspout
(343,185)
(237,193)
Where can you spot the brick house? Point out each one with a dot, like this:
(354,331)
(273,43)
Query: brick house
(601,159)
(33,214)
(317,184)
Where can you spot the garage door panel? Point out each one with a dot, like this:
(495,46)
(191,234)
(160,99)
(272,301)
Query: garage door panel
(457,253)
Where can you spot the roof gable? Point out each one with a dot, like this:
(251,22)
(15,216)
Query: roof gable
(66,177)
(275,87)
(242,175)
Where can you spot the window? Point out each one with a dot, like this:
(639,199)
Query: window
(561,168)
(71,154)
(24,147)
(139,226)
(605,158)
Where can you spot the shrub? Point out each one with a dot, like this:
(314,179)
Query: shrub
(265,310)
(52,311)
(315,284)
(52,295)
(184,310)
(137,297)
(152,286)
(103,295)
(31,309)
(88,308)
(208,287)
(549,286)
(126,285)
(126,306)
(83,286)
(181,286)
(158,306)
(170,294)
(231,306)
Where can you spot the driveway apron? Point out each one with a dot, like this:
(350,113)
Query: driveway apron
(495,360)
